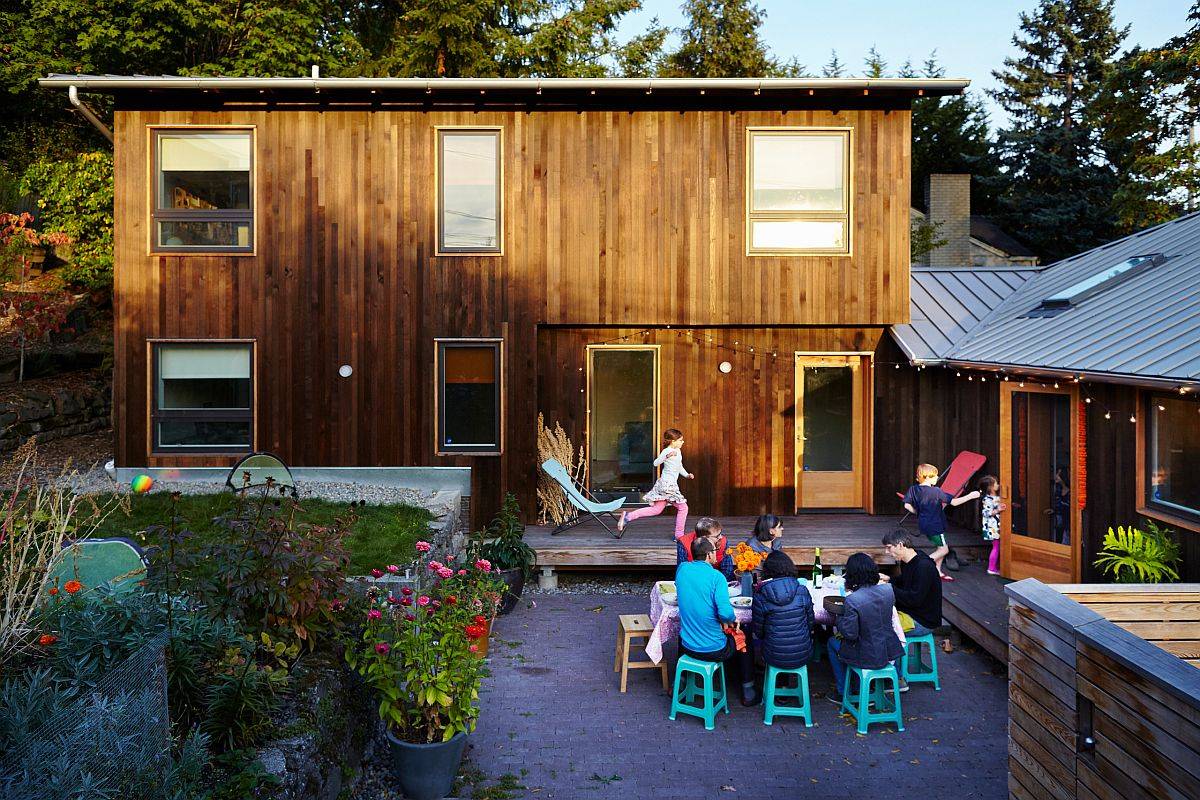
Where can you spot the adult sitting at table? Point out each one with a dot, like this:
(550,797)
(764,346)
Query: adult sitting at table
(704,608)
(867,638)
(783,614)
(918,588)
(768,534)
(706,528)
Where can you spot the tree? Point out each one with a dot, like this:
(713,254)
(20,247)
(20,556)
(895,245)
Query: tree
(950,134)
(876,67)
(833,68)
(75,196)
(720,39)
(1059,198)
(32,315)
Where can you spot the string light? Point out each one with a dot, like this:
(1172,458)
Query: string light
(1133,417)
(1108,415)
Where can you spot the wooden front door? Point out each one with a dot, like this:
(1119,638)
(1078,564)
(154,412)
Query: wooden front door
(832,431)
(1039,482)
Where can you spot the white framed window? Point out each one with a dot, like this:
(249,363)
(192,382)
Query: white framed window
(470,203)
(202,396)
(798,191)
(203,193)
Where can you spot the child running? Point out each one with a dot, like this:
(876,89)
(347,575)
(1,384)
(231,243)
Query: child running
(666,489)
(928,502)
(990,519)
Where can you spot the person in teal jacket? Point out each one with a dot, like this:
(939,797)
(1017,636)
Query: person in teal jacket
(704,608)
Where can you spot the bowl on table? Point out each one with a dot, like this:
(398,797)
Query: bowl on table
(834,604)
(669,598)
(741,602)
(735,589)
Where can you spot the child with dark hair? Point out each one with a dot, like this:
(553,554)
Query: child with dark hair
(706,528)
(783,614)
(867,636)
(768,534)
(665,491)
(989,522)
(928,501)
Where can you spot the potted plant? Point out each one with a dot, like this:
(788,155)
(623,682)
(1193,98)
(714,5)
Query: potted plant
(502,544)
(1134,556)
(474,584)
(418,652)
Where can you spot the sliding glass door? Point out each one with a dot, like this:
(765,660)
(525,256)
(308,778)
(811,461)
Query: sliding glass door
(622,389)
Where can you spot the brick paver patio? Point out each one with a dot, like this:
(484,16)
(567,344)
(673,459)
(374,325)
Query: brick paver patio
(553,717)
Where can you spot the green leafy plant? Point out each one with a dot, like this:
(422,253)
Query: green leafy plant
(502,542)
(1134,556)
(75,196)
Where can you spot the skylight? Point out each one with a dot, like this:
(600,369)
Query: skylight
(1105,279)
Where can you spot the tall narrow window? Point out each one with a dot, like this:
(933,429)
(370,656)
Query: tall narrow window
(798,191)
(469,388)
(469,187)
(1173,454)
(203,397)
(204,190)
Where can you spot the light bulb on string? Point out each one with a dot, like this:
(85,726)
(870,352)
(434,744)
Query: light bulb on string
(1133,418)
(1108,415)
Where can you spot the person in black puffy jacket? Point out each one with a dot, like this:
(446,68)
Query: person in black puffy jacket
(783,614)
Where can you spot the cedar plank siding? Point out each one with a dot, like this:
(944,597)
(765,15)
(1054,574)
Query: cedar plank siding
(610,219)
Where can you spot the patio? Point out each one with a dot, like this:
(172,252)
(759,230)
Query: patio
(554,718)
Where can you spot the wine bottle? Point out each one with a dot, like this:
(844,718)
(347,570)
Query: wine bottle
(816,573)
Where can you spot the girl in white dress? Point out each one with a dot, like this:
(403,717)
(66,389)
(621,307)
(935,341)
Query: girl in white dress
(666,489)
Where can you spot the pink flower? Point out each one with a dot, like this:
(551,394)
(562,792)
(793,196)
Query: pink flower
(423,600)
(474,648)
(392,600)
(435,565)
(423,547)
(406,591)
(483,564)
(392,568)
(382,648)
(462,572)
(409,617)
(374,613)
(406,601)
(376,573)
(445,572)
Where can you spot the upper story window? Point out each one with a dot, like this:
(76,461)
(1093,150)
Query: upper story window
(203,190)
(203,397)
(469,190)
(1173,454)
(469,392)
(798,191)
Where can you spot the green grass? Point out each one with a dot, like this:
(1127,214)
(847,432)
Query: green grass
(381,535)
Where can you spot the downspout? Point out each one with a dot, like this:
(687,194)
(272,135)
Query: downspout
(88,114)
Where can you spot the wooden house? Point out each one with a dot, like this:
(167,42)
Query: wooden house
(406,272)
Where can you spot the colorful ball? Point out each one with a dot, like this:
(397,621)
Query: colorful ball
(141,484)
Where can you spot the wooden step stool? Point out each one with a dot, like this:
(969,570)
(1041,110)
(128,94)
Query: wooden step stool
(630,627)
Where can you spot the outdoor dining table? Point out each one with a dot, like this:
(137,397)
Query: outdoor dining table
(665,617)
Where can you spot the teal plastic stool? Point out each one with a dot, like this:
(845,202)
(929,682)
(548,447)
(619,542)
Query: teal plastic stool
(870,693)
(771,691)
(702,686)
(924,676)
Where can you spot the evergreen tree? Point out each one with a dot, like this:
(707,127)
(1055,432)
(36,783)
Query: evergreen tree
(950,134)
(876,67)
(720,39)
(1059,198)
(834,68)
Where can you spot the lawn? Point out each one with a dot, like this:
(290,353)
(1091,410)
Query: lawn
(381,534)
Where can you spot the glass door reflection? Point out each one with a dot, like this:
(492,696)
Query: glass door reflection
(622,419)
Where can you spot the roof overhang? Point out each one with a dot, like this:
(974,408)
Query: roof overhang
(521,93)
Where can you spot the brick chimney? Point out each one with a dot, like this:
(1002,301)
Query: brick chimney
(948,200)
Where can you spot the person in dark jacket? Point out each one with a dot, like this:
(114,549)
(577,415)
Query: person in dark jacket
(866,637)
(768,534)
(783,614)
(917,588)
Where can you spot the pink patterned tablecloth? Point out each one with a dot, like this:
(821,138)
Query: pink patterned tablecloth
(665,619)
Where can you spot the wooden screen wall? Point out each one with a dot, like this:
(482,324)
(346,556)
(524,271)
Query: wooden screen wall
(739,427)
(1095,711)
(610,218)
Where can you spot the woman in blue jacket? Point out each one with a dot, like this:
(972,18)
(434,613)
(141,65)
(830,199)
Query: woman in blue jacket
(783,614)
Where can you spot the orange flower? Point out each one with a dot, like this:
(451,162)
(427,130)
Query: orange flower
(45,640)
(72,586)
(53,591)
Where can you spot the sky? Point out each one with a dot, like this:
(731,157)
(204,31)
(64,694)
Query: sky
(972,37)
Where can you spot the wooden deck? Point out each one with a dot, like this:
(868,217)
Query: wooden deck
(975,603)
(650,542)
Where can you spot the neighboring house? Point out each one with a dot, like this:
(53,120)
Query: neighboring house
(1079,381)
(969,239)
(405,272)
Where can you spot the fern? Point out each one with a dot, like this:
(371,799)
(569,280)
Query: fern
(1131,556)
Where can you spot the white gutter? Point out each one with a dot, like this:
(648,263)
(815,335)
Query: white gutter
(88,114)
(110,82)
(1014,370)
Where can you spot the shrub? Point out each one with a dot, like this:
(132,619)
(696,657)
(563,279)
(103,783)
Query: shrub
(1134,556)
(76,197)
(503,541)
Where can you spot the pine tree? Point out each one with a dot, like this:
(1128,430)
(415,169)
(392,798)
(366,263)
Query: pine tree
(876,67)
(1060,196)
(834,68)
(720,39)
(950,134)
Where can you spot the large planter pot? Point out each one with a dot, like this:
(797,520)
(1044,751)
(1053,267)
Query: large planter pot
(514,583)
(426,771)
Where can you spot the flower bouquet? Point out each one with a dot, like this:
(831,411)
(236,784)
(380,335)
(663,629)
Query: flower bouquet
(745,562)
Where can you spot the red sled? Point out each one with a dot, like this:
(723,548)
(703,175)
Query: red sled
(959,473)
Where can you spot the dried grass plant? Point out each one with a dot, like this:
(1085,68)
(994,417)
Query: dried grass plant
(553,505)
(36,517)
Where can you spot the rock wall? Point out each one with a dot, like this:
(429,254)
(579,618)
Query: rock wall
(51,408)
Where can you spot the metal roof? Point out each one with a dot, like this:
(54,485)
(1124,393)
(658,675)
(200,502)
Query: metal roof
(947,302)
(1144,329)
